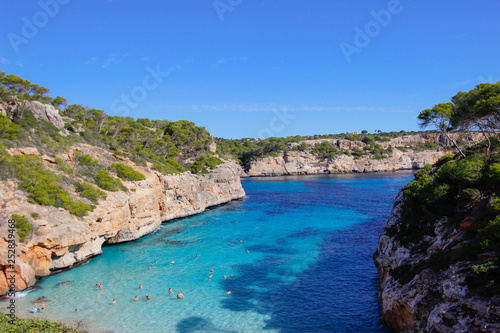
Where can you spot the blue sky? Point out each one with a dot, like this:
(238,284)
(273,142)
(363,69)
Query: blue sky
(248,68)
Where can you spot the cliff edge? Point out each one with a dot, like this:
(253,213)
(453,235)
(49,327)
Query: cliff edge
(437,257)
(61,240)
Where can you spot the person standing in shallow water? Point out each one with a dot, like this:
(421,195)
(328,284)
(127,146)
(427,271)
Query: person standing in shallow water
(180,295)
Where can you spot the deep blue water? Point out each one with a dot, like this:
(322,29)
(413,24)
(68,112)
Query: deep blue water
(300,249)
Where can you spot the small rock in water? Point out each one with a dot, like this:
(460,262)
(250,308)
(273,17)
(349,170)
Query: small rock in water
(65,283)
(43,299)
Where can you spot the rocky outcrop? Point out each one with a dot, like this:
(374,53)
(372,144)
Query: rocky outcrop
(296,162)
(305,163)
(431,301)
(61,240)
(40,111)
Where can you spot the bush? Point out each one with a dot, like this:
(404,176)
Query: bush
(33,325)
(8,129)
(88,191)
(86,160)
(42,184)
(23,226)
(169,167)
(126,172)
(107,182)
(204,163)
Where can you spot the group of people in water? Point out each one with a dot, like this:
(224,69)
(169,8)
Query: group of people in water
(148,298)
(38,309)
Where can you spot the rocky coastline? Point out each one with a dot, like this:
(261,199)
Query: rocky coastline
(60,240)
(432,301)
(403,157)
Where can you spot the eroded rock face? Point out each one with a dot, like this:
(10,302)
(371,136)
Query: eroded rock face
(46,112)
(62,240)
(431,301)
(304,163)
(307,163)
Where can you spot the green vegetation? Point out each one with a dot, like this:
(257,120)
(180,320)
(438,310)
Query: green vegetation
(23,226)
(464,188)
(8,129)
(34,325)
(41,184)
(204,163)
(125,172)
(89,192)
(107,182)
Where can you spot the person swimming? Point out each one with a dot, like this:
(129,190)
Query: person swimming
(140,286)
(170,290)
(228,292)
(231,276)
(180,295)
(114,301)
(136,298)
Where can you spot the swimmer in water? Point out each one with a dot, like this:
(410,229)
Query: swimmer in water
(147,297)
(210,276)
(140,286)
(155,262)
(136,298)
(231,276)
(248,251)
(114,301)
(179,295)
(225,277)
(172,262)
(228,292)
(170,290)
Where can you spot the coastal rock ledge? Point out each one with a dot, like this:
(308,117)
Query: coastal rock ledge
(431,301)
(61,240)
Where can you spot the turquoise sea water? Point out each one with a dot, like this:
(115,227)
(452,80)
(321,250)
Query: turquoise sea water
(300,250)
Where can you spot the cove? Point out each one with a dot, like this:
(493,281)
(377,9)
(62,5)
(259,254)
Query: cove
(300,250)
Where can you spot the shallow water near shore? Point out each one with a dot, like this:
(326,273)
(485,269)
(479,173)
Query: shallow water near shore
(300,250)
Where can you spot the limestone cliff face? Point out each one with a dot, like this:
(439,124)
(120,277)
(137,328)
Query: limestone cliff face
(308,163)
(431,301)
(61,240)
(304,163)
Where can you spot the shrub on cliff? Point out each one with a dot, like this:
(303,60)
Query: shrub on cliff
(8,129)
(107,182)
(41,184)
(464,190)
(169,167)
(23,226)
(88,191)
(126,172)
(204,163)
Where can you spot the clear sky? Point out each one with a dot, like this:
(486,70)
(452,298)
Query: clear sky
(249,68)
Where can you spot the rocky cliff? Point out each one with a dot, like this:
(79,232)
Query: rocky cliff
(403,156)
(431,301)
(60,240)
